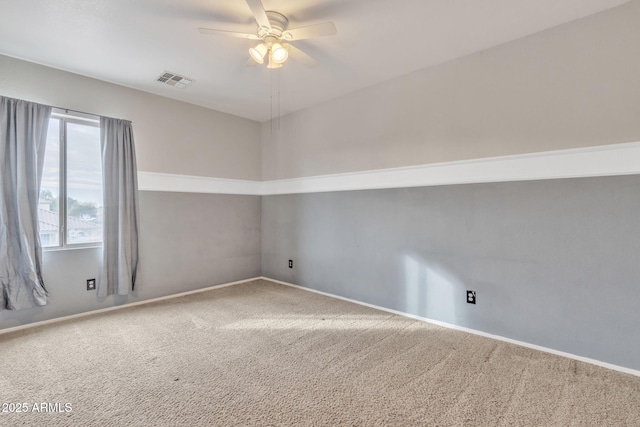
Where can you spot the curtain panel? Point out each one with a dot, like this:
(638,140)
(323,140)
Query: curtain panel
(120,263)
(23,136)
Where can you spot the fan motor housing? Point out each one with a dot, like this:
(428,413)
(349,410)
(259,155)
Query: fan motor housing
(278,23)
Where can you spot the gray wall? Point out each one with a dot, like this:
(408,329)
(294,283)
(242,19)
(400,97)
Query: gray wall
(554,263)
(190,241)
(187,241)
(571,86)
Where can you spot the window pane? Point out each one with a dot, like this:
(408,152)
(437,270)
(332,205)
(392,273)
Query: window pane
(84,184)
(48,205)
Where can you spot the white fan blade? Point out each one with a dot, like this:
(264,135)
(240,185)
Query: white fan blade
(300,56)
(317,30)
(228,33)
(259,13)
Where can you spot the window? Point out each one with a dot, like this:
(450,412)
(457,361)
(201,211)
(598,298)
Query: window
(72,173)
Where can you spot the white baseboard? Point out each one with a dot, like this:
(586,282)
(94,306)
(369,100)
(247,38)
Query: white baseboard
(388,310)
(118,307)
(468,330)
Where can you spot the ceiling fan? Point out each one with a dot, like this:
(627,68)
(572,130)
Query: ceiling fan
(274,35)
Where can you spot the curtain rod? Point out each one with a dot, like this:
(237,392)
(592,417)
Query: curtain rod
(67,109)
(89,114)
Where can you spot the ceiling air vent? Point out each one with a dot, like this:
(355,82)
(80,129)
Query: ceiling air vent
(173,79)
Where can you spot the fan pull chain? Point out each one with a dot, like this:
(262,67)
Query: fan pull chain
(271,102)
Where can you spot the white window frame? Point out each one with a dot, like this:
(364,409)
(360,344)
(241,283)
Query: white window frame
(66,116)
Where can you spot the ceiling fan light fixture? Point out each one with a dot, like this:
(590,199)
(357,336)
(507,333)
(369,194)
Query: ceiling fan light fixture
(273,36)
(258,53)
(272,64)
(279,53)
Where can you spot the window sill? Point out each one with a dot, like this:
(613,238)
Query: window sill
(72,248)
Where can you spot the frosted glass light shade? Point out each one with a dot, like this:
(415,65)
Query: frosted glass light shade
(272,64)
(279,53)
(257,53)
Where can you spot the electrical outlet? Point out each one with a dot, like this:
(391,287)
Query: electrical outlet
(91,284)
(290,263)
(471,297)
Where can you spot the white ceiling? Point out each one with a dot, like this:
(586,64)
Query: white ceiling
(131,42)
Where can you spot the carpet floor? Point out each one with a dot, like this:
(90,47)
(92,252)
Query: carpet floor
(265,354)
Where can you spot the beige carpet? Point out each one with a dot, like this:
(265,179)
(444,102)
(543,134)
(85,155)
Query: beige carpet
(265,354)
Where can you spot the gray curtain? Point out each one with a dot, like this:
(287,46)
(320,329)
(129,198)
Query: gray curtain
(120,208)
(23,136)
